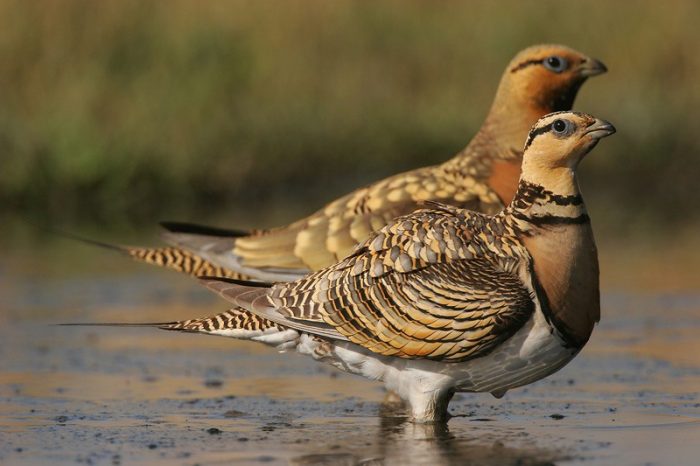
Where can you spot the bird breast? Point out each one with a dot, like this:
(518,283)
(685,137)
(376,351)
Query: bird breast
(565,262)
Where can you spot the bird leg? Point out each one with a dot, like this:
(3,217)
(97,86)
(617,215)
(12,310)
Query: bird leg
(392,399)
(430,406)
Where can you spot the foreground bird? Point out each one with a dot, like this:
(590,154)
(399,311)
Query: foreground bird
(482,177)
(445,299)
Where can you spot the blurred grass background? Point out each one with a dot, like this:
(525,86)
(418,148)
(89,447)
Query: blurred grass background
(125,112)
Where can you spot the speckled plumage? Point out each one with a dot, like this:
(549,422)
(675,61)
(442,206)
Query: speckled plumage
(482,177)
(446,299)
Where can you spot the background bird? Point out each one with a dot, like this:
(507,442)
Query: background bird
(446,299)
(482,177)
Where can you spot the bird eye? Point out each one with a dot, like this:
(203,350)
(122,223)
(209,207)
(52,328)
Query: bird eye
(556,64)
(560,126)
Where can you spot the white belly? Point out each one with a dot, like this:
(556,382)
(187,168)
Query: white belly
(533,353)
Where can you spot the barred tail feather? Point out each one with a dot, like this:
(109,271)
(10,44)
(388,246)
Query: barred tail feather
(174,258)
(234,323)
(231,320)
(239,324)
(181,260)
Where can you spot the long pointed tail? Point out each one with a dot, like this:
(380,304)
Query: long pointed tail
(180,260)
(173,258)
(117,324)
(83,239)
(225,324)
(229,323)
(234,323)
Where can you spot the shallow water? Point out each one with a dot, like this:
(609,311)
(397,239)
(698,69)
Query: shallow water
(143,396)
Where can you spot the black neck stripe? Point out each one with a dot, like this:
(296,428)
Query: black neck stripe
(550,219)
(542,220)
(531,191)
(558,199)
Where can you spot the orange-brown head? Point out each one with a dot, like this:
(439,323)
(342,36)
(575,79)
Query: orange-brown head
(539,80)
(545,79)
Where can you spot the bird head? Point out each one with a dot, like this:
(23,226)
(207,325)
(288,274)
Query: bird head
(546,78)
(560,140)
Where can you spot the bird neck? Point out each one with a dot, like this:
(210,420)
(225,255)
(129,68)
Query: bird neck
(539,201)
(494,154)
(537,170)
(554,227)
(500,138)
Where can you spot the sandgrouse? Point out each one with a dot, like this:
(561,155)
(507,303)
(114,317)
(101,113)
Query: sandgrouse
(482,177)
(444,299)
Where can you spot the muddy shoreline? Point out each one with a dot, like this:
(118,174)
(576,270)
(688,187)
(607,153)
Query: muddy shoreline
(142,396)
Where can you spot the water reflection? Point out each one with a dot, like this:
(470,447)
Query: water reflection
(435,444)
(399,442)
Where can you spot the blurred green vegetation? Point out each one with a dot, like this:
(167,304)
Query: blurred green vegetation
(130,111)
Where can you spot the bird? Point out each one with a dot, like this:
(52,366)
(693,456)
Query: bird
(445,299)
(483,177)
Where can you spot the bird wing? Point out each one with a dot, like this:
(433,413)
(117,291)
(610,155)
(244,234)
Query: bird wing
(330,234)
(291,252)
(420,287)
(218,252)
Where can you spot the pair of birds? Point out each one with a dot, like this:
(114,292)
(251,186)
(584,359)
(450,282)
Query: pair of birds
(491,284)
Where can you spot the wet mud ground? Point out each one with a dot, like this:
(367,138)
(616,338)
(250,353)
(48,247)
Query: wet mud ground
(76,395)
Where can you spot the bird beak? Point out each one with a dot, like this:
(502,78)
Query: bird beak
(592,67)
(600,129)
